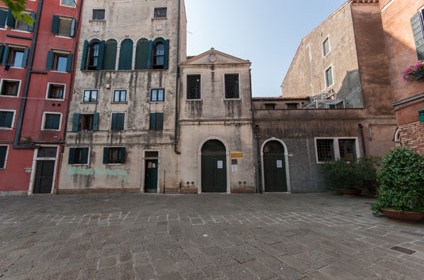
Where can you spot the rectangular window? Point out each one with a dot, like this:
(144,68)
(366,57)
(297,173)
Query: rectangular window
(59,61)
(9,88)
(118,121)
(329,77)
(6,119)
(156,121)
(231,86)
(90,96)
(421,115)
(55,91)
(85,122)
(160,13)
(3,17)
(157,94)
(328,149)
(15,56)
(193,87)
(52,121)
(47,152)
(22,25)
(114,155)
(63,26)
(119,95)
(417,24)
(98,14)
(269,106)
(69,3)
(292,105)
(3,156)
(78,156)
(325,47)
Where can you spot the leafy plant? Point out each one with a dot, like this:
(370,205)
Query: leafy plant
(401,182)
(17,7)
(359,174)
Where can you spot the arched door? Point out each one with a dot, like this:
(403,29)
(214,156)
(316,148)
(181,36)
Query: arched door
(214,167)
(274,167)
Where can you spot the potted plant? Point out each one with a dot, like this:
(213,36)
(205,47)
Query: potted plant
(342,176)
(401,186)
(414,72)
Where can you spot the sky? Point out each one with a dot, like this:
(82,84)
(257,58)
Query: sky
(266,32)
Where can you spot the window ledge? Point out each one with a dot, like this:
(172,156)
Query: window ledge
(117,102)
(82,102)
(159,18)
(97,20)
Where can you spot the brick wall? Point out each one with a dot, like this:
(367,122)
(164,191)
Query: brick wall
(412,136)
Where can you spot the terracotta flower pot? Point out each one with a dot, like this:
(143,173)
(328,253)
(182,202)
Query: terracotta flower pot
(410,216)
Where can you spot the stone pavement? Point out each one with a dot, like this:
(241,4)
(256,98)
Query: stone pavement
(210,236)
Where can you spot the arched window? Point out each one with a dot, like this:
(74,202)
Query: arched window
(110,55)
(125,55)
(142,56)
(92,56)
(160,54)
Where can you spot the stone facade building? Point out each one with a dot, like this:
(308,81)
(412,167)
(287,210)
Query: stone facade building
(403,24)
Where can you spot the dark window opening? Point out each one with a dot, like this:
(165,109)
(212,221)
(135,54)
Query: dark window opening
(292,105)
(193,87)
(114,155)
(52,121)
(3,153)
(98,14)
(9,88)
(86,122)
(269,106)
(55,91)
(347,149)
(47,152)
(232,86)
(78,155)
(6,119)
(325,149)
(160,13)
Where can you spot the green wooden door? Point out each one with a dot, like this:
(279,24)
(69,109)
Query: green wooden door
(214,167)
(274,167)
(151,175)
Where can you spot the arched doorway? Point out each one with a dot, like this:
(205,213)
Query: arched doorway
(214,167)
(275,178)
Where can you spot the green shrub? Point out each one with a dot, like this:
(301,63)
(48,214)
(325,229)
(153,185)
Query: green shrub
(401,182)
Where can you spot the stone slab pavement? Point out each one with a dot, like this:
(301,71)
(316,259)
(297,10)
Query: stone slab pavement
(208,236)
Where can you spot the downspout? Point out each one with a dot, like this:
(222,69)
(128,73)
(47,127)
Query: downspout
(22,106)
(177,79)
(361,130)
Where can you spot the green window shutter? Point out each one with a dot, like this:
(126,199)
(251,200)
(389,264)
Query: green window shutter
(121,121)
(84,55)
(118,120)
(75,122)
(96,122)
(101,55)
(3,18)
(5,55)
(166,57)
(1,51)
(72,31)
(84,156)
(125,55)
(150,55)
(106,155)
(142,54)
(10,19)
(69,63)
(71,159)
(50,58)
(109,61)
(30,27)
(55,24)
(122,155)
(25,58)
(159,121)
(3,151)
(418,32)
(114,123)
(152,121)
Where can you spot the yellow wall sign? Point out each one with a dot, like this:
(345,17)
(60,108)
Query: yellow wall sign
(237,155)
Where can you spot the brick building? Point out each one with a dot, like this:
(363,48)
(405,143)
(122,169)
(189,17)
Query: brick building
(403,24)
(35,89)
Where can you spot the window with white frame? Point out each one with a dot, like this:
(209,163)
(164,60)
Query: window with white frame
(63,26)
(59,61)
(329,76)
(22,24)
(6,119)
(336,148)
(9,87)
(68,3)
(52,121)
(325,47)
(3,156)
(55,91)
(14,56)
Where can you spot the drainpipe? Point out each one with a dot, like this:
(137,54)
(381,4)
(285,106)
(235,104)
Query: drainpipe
(28,71)
(361,130)
(177,79)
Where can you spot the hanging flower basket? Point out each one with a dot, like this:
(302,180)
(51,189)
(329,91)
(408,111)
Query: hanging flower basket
(414,72)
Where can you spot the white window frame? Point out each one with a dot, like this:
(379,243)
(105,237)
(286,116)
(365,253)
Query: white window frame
(56,55)
(69,6)
(48,88)
(239,85)
(6,157)
(17,21)
(13,119)
(65,18)
(336,148)
(14,80)
(44,120)
(327,38)
(332,76)
(16,47)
